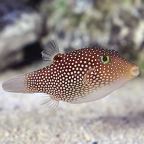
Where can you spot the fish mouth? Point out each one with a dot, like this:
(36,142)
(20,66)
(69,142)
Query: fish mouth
(134,71)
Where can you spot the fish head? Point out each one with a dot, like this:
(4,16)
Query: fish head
(114,67)
(110,72)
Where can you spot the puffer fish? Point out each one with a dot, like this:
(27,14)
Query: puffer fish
(76,77)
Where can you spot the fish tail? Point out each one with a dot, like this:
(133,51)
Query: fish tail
(17,84)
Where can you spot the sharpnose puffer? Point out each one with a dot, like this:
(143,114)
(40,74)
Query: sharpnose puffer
(79,76)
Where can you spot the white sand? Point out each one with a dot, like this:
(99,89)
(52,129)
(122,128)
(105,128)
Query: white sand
(115,119)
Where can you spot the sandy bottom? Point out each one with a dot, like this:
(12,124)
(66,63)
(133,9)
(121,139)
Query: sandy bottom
(115,119)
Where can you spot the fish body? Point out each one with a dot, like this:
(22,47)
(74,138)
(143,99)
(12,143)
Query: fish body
(76,77)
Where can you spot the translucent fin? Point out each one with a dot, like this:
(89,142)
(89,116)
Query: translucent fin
(50,51)
(49,102)
(15,84)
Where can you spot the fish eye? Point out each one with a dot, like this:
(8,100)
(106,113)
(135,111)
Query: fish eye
(105,59)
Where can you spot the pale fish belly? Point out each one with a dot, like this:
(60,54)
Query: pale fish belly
(102,92)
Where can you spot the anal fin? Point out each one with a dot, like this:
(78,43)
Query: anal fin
(49,102)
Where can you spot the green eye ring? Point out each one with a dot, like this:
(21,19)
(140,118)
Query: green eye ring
(105,59)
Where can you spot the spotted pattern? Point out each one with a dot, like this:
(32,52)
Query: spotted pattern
(76,74)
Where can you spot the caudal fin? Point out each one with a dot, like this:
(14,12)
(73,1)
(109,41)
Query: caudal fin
(16,84)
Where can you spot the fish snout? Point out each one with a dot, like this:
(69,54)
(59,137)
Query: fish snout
(134,71)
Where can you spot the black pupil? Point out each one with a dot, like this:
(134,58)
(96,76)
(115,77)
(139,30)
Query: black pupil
(104,58)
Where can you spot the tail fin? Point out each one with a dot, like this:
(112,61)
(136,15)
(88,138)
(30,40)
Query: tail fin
(16,84)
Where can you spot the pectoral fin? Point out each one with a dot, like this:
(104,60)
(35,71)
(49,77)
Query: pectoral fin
(89,75)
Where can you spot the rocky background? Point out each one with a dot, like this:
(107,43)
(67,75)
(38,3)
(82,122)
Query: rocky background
(25,28)
(27,25)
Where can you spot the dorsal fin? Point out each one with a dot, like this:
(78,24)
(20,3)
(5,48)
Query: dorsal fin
(50,50)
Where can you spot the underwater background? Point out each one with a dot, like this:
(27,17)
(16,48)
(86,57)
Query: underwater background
(25,28)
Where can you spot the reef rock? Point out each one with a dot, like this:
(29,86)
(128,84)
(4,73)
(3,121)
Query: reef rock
(19,26)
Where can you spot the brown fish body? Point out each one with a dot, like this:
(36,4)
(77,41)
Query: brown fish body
(80,76)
